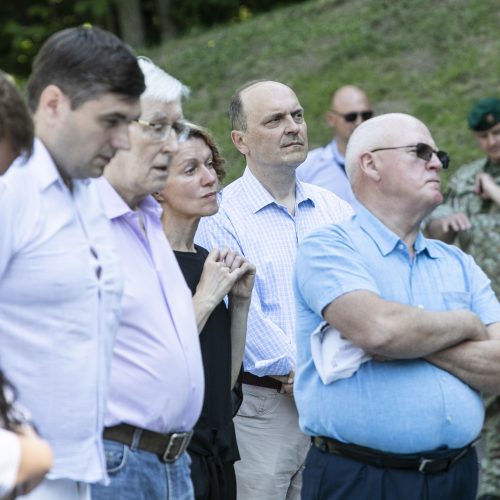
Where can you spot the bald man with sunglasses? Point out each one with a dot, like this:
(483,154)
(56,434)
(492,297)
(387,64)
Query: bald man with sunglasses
(325,166)
(403,424)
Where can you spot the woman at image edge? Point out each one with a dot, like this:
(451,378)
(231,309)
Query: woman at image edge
(25,458)
(195,173)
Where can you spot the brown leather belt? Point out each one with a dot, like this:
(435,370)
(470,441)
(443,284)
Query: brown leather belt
(269,382)
(169,447)
(432,462)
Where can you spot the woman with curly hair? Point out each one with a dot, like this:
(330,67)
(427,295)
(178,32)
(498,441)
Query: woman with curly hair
(194,177)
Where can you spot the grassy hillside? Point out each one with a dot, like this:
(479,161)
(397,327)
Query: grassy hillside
(430,58)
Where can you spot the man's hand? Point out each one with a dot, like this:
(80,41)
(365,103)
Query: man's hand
(475,362)
(455,222)
(487,188)
(446,228)
(287,381)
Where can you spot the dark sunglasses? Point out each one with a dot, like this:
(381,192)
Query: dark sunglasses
(424,152)
(352,117)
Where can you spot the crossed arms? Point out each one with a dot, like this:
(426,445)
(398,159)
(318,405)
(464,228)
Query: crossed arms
(456,341)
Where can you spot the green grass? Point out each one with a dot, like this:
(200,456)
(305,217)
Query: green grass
(429,58)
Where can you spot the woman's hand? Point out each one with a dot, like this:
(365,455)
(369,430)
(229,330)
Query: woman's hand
(224,272)
(242,288)
(217,277)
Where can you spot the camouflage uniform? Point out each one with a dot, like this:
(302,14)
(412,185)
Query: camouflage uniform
(482,241)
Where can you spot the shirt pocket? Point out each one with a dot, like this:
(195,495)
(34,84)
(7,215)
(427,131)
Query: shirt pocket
(456,300)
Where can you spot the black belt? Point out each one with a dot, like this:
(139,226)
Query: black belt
(432,462)
(169,447)
(269,382)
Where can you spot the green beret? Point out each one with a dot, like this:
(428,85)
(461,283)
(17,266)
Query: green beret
(485,114)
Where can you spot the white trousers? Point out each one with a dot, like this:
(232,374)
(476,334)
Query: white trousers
(272,447)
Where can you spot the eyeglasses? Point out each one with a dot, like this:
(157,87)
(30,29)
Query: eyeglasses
(158,132)
(424,152)
(352,117)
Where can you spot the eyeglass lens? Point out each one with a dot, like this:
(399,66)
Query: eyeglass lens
(424,151)
(352,117)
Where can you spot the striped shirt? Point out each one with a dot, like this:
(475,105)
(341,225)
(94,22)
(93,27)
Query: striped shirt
(251,222)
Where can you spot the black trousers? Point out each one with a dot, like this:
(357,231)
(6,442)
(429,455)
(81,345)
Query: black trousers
(212,479)
(332,477)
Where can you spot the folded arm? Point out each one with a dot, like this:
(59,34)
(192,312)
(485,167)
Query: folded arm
(477,363)
(396,330)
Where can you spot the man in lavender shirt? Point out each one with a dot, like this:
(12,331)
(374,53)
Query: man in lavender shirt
(157,382)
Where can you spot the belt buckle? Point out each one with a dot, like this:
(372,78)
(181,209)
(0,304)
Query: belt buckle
(177,444)
(423,464)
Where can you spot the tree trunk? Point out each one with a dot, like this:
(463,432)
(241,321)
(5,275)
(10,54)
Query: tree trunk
(167,27)
(130,21)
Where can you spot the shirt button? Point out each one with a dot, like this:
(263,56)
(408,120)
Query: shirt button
(420,306)
(401,246)
(449,419)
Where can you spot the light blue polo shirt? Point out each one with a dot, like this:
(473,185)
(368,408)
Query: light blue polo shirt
(404,406)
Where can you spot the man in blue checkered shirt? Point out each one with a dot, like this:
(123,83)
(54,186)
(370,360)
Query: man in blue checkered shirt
(264,215)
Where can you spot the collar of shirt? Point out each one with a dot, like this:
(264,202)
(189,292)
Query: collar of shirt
(337,157)
(47,173)
(114,205)
(259,197)
(385,239)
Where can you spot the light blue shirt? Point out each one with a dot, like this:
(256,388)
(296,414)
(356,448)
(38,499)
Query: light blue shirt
(157,370)
(251,222)
(325,167)
(403,406)
(60,289)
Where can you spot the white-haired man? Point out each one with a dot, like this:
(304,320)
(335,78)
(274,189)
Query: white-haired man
(402,426)
(157,388)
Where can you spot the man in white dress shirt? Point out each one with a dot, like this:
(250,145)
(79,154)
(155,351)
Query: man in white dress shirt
(60,282)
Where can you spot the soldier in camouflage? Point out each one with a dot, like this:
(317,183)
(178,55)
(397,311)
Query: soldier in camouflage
(471,215)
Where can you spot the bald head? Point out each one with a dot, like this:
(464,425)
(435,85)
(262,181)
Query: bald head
(269,127)
(382,131)
(387,174)
(349,96)
(348,102)
(237,111)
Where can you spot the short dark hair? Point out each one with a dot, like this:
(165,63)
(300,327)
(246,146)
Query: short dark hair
(16,125)
(237,114)
(85,62)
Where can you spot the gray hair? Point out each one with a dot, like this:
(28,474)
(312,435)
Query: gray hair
(159,84)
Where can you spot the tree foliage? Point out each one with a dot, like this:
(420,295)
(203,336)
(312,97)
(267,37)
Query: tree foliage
(25,24)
